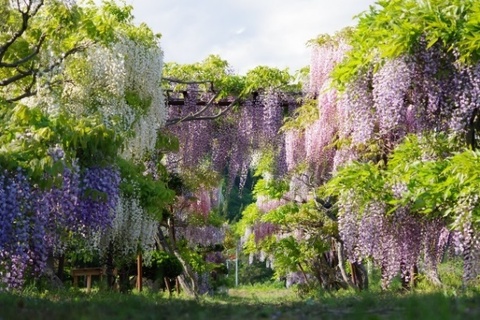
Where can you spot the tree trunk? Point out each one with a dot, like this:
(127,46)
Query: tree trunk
(361,276)
(468,259)
(187,278)
(61,267)
(303,273)
(167,285)
(110,267)
(341,261)
(123,279)
(53,281)
(408,278)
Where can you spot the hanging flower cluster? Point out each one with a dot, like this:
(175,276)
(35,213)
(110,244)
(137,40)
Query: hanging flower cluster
(229,143)
(35,221)
(193,220)
(132,231)
(122,83)
(395,243)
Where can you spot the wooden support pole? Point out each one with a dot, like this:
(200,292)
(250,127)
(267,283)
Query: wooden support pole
(89,282)
(167,285)
(139,272)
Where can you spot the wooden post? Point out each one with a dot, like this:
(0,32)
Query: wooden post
(89,282)
(139,272)
(167,284)
(236,265)
(177,285)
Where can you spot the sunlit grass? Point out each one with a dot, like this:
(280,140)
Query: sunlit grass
(260,301)
(241,303)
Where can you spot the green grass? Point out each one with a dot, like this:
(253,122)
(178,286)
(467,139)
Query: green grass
(260,301)
(249,302)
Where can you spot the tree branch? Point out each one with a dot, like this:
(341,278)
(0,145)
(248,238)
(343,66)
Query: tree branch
(65,55)
(22,74)
(196,114)
(26,15)
(195,118)
(19,76)
(17,63)
(27,92)
(36,71)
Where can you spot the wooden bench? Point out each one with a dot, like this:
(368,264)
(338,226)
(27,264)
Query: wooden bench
(87,272)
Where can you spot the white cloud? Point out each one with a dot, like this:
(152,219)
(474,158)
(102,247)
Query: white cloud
(240,31)
(246,33)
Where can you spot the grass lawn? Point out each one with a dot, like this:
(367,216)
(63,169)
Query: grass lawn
(249,302)
(261,301)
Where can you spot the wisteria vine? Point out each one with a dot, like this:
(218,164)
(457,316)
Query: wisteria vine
(35,222)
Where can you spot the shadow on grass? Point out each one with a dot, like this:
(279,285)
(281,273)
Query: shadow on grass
(68,305)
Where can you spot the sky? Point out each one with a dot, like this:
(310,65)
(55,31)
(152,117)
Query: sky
(246,33)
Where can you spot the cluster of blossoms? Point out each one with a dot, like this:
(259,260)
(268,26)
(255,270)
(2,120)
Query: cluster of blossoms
(229,143)
(206,235)
(261,230)
(395,243)
(191,220)
(319,135)
(132,231)
(403,96)
(466,238)
(34,222)
(15,230)
(131,103)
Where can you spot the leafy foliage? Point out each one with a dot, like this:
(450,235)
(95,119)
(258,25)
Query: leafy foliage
(303,117)
(153,194)
(30,134)
(214,73)
(394,28)
(167,265)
